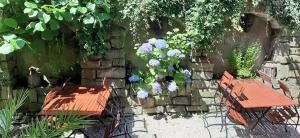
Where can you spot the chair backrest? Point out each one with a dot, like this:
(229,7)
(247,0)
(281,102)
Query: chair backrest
(285,89)
(265,77)
(226,78)
(109,130)
(237,89)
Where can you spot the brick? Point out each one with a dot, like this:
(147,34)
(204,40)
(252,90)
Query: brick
(174,109)
(32,95)
(117,83)
(88,74)
(158,109)
(120,93)
(90,64)
(208,67)
(118,62)
(196,98)
(116,43)
(181,92)
(181,101)
(115,53)
(199,75)
(88,82)
(112,73)
(295,51)
(148,102)
(6,92)
(106,64)
(200,84)
(162,100)
(202,108)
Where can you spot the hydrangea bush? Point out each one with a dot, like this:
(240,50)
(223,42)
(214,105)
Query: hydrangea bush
(162,70)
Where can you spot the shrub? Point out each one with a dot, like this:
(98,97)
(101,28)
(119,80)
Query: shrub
(242,58)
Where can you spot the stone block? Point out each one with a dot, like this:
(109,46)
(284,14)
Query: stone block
(294,59)
(32,95)
(207,67)
(154,110)
(148,102)
(116,43)
(120,93)
(181,92)
(105,64)
(117,83)
(200,84)
(119,62)
(197,108)
(162,100)
(112,73)
(88,73)
(206,93)
(200,75)
(90,64)
(295,51)
(6,92)
(133,101)
(88,82)
(115,53)
(294,66)
(174,109)
(137,110)
(196,99)
(181,101)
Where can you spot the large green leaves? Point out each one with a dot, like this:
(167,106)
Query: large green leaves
(40,26)
(10,22)
(89,19)
(3,3)
(30,5)
(11,43)
(44,17)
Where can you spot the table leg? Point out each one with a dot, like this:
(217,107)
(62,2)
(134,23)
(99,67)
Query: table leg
(259,118)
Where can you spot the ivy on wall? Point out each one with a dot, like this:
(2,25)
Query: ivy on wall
(20,19)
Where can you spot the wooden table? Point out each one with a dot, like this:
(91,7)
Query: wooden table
(258,95)
(83,100)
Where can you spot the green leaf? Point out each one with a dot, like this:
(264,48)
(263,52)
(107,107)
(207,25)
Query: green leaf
(3,3)
(27,10)
(91,6)
(54,25)
(30,5)
(88,19)
(30,26)
(40,26)
(3,28)
(103,16)
(10,22)
(18,43)
(44,17)
(67,16)
(82,10)
(9,37)
(6,48)
(58,15)
(106,7)
(49,35)
(33,13)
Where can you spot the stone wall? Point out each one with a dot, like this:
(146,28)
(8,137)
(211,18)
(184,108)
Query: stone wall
(286,60)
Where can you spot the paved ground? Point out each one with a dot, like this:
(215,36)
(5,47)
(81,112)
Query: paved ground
(164,126)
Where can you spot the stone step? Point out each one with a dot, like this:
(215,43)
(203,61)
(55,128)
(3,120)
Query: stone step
(294,51)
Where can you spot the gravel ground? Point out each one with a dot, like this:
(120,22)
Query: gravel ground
(163,126)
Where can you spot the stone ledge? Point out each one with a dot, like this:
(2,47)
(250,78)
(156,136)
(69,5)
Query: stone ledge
(174,109)
(90,64)
(197,108)
(181,101)
(112,73)
(148,102)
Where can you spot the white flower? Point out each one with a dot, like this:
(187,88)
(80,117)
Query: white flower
(142,94)
(176,30)
(172,87)
(152,41)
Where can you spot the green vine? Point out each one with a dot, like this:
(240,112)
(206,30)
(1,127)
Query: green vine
(86,18)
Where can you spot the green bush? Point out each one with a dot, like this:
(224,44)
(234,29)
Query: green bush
(242,58)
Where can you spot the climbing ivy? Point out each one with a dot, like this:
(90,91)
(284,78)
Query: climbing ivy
(22,18)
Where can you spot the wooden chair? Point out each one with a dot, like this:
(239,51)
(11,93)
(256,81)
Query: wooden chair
(225,81)
(266,78)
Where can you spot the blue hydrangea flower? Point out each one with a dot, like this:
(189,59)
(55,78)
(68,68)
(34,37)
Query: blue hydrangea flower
(146,48)
(174,52)
(172,87)
(154,62)
(142,94)
(134,78)
(156,87)
(171,68)
(161,43)
(187,74)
